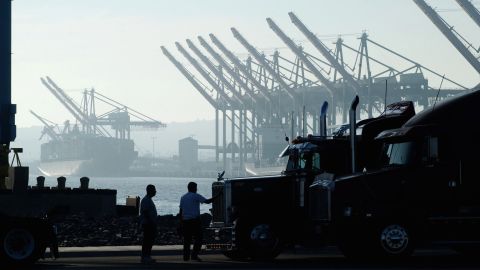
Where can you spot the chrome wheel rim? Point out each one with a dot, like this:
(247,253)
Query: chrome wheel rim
(394,239)
(18,244)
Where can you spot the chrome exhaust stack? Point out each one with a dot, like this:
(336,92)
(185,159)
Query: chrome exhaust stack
(353,129)
(323,119)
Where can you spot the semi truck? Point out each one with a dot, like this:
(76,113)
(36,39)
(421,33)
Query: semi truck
(256,217)
(425,190)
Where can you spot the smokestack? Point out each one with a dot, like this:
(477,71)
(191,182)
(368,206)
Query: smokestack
(7,111)
(353,129)
(323,119)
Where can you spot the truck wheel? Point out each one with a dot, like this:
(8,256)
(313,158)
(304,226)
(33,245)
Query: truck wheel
(19,245)
(264,242)
(394,240)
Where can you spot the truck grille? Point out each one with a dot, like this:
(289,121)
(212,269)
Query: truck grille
(218,204)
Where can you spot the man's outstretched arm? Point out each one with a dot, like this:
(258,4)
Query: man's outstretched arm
(213,198)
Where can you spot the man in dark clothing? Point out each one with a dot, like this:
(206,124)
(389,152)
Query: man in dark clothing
(191,223)
(148,219)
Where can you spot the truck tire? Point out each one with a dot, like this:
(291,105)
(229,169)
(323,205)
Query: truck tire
(20,245)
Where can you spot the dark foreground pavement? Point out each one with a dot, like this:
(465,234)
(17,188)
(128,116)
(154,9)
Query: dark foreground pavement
(328,258)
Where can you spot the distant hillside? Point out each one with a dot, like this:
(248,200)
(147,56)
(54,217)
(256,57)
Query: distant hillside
(165,140)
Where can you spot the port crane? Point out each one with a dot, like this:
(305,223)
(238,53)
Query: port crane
(120,118)
(366,69)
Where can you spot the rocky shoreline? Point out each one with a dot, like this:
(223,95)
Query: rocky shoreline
(80,231)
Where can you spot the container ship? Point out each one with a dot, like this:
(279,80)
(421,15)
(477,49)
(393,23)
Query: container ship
(87,155)
(96,145)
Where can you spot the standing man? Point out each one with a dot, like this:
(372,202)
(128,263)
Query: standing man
(148,219)
(190,219)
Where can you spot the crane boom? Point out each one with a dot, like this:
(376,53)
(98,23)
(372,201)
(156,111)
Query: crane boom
(324,51)
(289,42)
(205,75)
(471,10)
(261,60)
(215,71)
(49,130)
(447,32)
(228,68)
(64,103)
(238,64)
(68,100)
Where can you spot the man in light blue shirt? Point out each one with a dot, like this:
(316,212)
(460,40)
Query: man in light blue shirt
(148,219)
(191,223)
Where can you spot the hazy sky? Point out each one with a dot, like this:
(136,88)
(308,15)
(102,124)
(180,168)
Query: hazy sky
(114,45)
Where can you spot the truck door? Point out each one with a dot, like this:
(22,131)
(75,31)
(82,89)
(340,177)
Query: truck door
(442,194)
(468,190)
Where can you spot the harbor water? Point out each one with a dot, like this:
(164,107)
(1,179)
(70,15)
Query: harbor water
(169,189)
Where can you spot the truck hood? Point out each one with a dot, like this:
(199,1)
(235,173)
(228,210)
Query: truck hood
(257,178)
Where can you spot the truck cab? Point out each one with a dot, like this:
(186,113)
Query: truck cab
(424,190)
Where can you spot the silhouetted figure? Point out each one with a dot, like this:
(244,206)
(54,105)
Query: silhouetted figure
(191,223)
(148,219)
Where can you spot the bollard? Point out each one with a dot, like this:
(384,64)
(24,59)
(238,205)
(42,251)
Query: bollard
(40,182)
(84,182)
(61,182)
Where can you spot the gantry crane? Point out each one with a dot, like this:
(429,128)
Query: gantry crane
(244,85)
(119,118)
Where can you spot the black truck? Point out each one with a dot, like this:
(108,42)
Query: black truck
(256,217)
(425,189)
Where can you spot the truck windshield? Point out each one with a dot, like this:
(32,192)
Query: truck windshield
(395,154)
(304,161)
